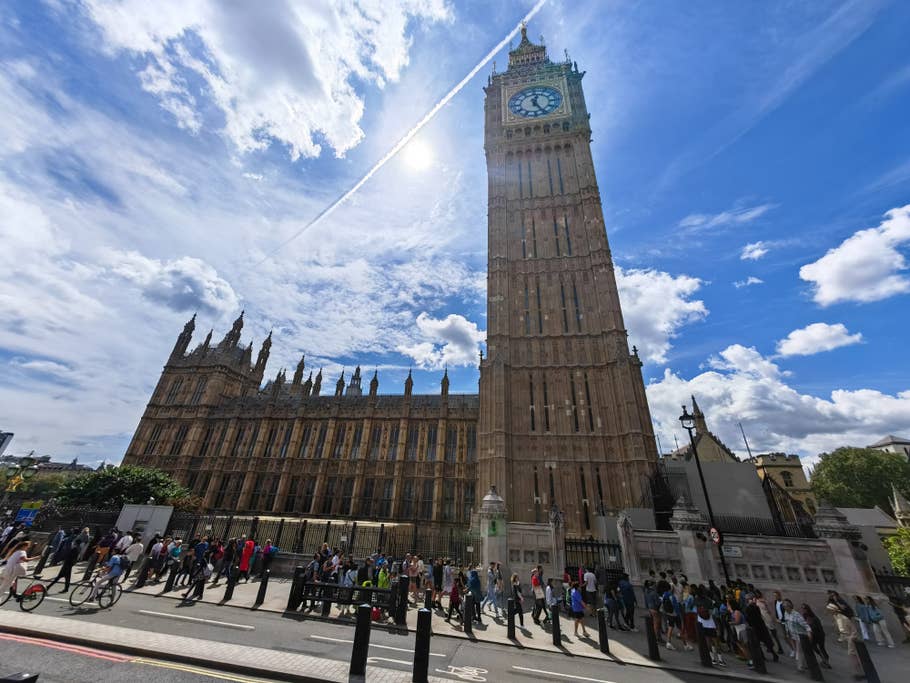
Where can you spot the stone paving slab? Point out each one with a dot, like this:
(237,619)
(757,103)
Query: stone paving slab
(251,661)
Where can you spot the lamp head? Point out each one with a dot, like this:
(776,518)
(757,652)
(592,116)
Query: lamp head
(687,421)
(29,472)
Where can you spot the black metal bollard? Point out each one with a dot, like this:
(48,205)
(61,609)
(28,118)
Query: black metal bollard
(866,662)
(815,671)
(296,590)
(653,650)
(263,587)
(171,577)
(42,561)
(142,572)
(229,588)
(703,652)
(468,621)
(401,611)
(603,636)
(510,618)
(326,602)
(758,657)
(361,648)
(90,567)
(422,646)
(428,599)
(557,632)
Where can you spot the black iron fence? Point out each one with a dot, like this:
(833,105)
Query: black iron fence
(762,526)
(588,553)
(895,587)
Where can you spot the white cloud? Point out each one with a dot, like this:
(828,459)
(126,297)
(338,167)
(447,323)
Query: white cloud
(698,222)
(275,70)
(865,267)
(816,338)
(47,367)
(655,306)
(754,251)
(453,340)
(743,386)
(748,282)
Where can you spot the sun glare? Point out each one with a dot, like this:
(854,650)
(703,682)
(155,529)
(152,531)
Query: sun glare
(417,155)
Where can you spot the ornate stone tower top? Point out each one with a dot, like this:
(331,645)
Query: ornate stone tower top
(527,52)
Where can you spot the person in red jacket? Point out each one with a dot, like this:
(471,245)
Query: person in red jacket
(245,556)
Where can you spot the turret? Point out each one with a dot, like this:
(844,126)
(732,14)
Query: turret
(263,357)
(339,385)
(374,383)
(207,342)
(308,385)
(232,338)
(445,383)
(354,385)
(408,385)
(277,384)
(247,360)
(298,373)
(183,341)
(701,426)
(317,385)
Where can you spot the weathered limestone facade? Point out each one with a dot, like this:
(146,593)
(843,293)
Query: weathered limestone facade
(563,413)
(561,417)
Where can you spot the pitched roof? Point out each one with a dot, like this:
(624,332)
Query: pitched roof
(889,440)
(868,517)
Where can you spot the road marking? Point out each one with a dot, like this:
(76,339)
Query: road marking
(561,675)
(226,624)
(196,670)
(465,673)
(65,647)
(373,660)
(384,647)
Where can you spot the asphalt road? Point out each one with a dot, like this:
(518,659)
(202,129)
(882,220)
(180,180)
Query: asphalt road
(452,658)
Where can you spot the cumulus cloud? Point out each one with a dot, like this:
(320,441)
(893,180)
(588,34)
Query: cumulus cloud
(698,222)
(748,282)
(655,306)
(276,70)
(816,338)
(754,251)
(740,385)
(453,340)
(183,284)
(865,267)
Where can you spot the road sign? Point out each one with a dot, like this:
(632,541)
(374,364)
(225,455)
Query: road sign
(27,515)
(715,536)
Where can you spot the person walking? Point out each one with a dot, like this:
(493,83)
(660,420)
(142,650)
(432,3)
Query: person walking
(68,552)
(611,603)
(628,600)
(770,621)
(540,606)
(756,621)
(879,625)
(652,604)
(847,632)
(861,610)
(578,605)
(705,618)
(455,600)
(132,553)
(518,598)
(474,587)
(796,627)
(246,556)
(491,590)
(818,634)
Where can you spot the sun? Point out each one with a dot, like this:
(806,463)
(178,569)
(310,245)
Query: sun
(417,155)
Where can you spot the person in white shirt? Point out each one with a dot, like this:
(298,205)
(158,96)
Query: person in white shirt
(590,580)
(125,542)
(16,566)
(132,553)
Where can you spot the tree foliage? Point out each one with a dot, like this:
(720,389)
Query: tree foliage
(111,488)
(860,477)
(898,547)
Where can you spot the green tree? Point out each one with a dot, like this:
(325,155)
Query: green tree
(43,487)
(113,487)
(898,547)
(860,477)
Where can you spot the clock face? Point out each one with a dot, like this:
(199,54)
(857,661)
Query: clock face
(535,102)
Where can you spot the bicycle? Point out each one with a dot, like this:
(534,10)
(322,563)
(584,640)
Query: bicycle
(107,596)
(30,598)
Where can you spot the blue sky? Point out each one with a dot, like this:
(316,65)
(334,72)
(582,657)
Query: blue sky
(753,160)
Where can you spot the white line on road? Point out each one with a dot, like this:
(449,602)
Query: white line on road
(384,647)
(373,660)
(560,675)
(227,624)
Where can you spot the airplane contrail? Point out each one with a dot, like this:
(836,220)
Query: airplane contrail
(398,146)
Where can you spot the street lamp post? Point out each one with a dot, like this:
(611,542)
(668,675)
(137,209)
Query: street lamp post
(688,423)
(18,474)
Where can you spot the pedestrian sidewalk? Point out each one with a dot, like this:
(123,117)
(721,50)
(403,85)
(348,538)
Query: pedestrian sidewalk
(250,661)
(625,647)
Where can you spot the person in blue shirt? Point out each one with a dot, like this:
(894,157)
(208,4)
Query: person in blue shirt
(578,609)
(627,599)
(114,570)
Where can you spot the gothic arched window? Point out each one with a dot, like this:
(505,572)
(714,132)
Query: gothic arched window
(787,478)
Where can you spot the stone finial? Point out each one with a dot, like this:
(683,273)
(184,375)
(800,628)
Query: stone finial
(445,383)
(832,523)
(687,516)
(317,385)
(374,383)
(339,385)
(492,503)
(408,384)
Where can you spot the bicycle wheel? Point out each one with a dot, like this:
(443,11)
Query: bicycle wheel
(109,595)
(32,597)
(80,593)
(6,596)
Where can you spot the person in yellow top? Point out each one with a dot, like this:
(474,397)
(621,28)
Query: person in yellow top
(383,580)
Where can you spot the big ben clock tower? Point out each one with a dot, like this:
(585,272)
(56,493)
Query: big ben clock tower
(564,419)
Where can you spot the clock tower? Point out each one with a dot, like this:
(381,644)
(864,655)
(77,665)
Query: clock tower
(564,419)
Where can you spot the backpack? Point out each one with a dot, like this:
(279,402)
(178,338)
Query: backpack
(666,605)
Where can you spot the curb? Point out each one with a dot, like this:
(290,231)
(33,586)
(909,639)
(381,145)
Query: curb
(704,671)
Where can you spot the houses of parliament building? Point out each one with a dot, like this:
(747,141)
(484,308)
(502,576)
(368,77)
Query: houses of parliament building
(561,417)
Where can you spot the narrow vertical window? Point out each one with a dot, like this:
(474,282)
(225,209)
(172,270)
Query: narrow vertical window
(546,407)
(320,440)
(574,403)
(600,488)
(206,441)
(530,183)
(471,438)
(431,443)
(552,487)
(340,432)
(305,441)
(355,444)
(556,235)
(536,499)
(565,223)
(531,391)
(527,310)
(524,239)
(590,405)
(394,431)
(539,310)
(550,174)
(269,442)
(584,497)
(253,438)
(565,314)
(534,238)
(577,306)
(521,183)
(559,172)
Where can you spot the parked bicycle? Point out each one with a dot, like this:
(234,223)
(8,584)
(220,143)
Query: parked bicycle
(106,596)
(28,599)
